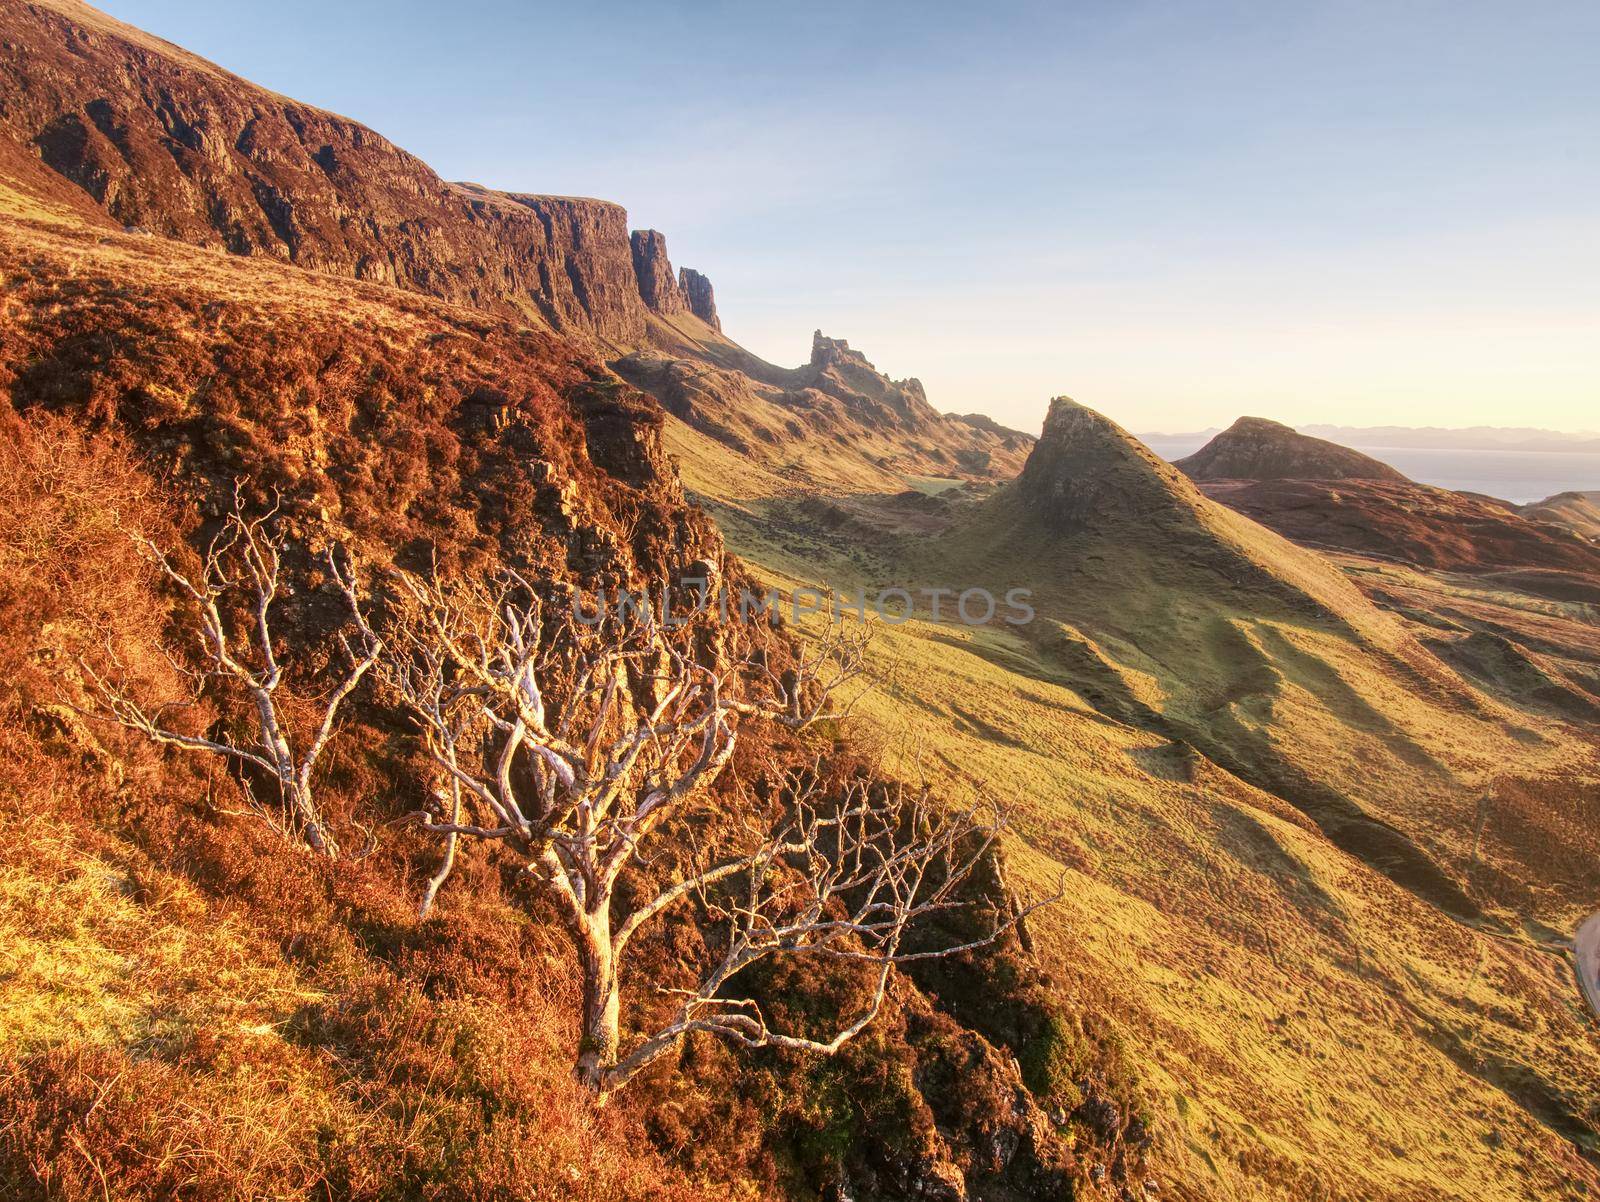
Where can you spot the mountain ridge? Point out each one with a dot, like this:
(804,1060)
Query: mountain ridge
(1315,820)
(162,142)
(165,142)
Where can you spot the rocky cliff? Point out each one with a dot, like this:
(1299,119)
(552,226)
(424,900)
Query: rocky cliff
(702,299)
(167,143)
(128,129)
(835,422)
(840,372)
(659,290)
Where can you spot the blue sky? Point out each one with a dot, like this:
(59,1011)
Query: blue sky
(1177,213)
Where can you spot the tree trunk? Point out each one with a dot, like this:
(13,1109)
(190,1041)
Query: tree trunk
(597,1050)
(305,811)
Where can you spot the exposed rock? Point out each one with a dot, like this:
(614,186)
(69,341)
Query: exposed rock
(1085,465)
(875,399)
(657,287)
(701,299)
(1254,448)
(838,405)
(166,142)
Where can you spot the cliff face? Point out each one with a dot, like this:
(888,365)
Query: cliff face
(702,299)
(656,285)
(127,130)
(167,143)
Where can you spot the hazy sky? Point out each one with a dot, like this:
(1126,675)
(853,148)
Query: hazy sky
(1381,213)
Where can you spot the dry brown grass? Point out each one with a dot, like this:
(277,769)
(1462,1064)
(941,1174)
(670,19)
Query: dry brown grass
(192,1010)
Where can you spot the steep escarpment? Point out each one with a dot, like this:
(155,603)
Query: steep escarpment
(659,290)
(1254,448)
(701,296)
(103,119)
(167,143)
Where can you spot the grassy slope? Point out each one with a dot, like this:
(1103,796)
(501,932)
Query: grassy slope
(1310,1028)
(186,1011)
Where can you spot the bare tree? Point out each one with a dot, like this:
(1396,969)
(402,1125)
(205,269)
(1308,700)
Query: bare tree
(842,879)
(806,691)
(243,568)
(576,787)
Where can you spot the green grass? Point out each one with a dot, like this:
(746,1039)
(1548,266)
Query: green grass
(1306,1028)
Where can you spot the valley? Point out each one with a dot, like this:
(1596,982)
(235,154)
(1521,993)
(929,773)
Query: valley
(1307,753)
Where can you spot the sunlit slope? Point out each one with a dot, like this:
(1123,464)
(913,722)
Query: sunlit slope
(835,423)
(1303,1026)
(1176,615)
(1333,964)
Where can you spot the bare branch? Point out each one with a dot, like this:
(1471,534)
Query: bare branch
(244,564)
(575,762)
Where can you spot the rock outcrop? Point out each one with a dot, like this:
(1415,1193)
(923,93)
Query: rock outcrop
(170,144)
(1085,466)
(835,421)
(164,142)
(700,297)
(840,372)
(1254,448)
(657,287)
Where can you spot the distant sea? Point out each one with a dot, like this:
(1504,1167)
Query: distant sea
(1519,476)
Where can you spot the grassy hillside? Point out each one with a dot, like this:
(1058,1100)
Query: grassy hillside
(1334,964)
